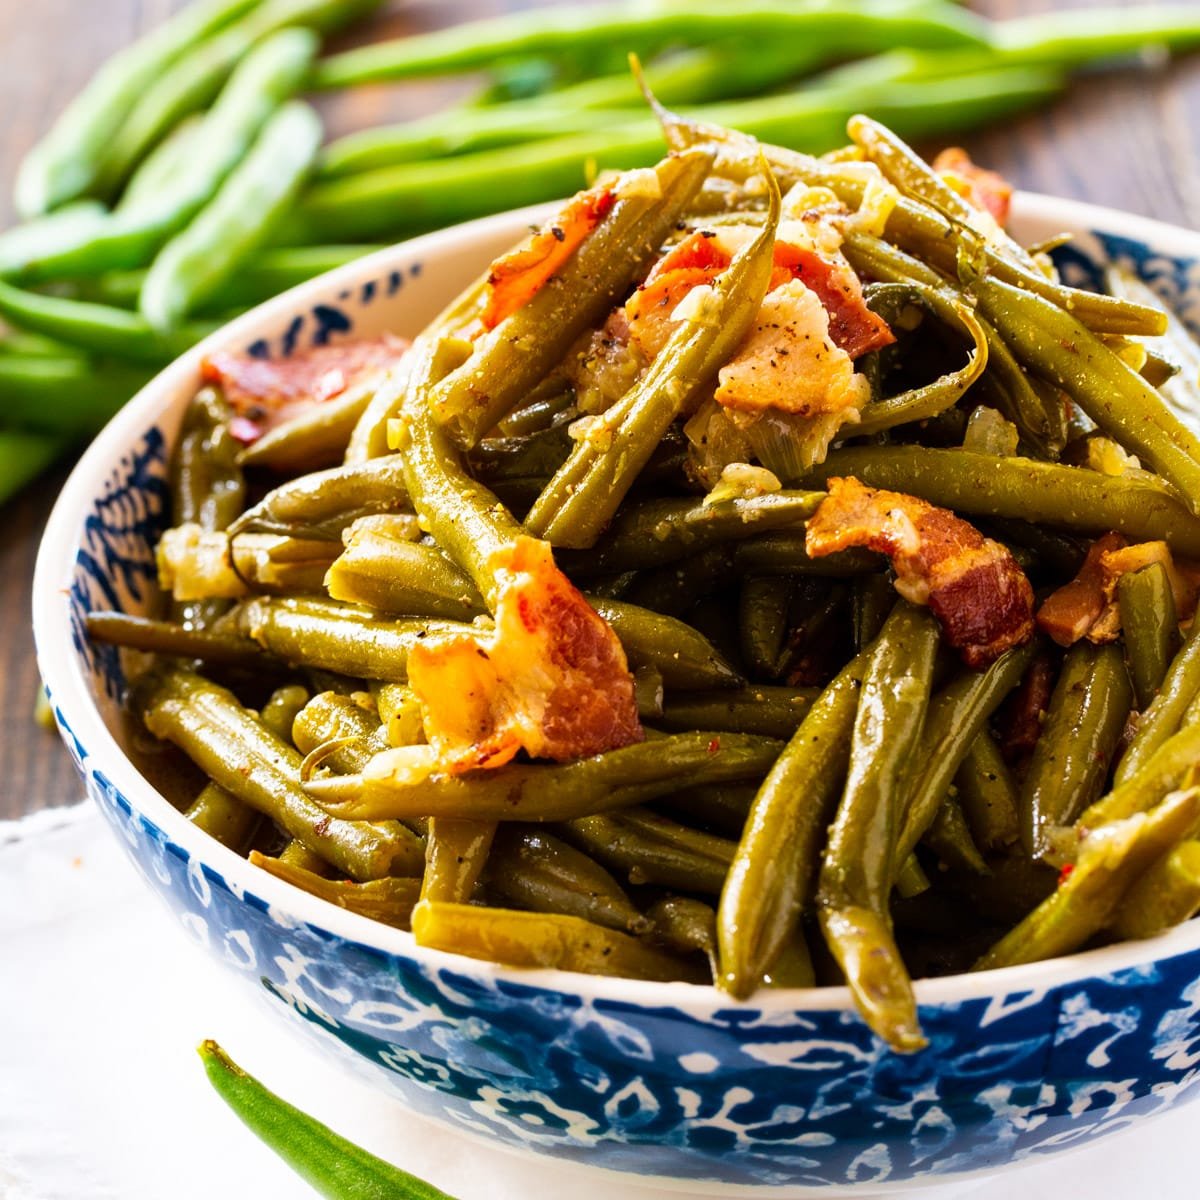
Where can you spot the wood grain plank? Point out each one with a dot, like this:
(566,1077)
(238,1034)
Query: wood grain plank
(1129,140)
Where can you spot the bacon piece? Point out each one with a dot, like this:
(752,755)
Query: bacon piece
(1019,723)
(265,392)
(516,277)
(971,584)
(1087,605)
(550,679)
(700,258)
(788,361)
(985,189)
(603,364)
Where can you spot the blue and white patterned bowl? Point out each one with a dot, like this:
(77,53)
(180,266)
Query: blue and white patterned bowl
(674,1082)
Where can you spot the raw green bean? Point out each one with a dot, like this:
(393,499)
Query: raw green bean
(1149,628)
(1070,498)
(333,1166)
(336,637)
(1166,895)
(1180,687)
(398,783)
(770,711)
(225,740)
(774,869)
(1051,342)
(239,218)
(957,715)
(24,456)
(526,939)
(533,869)
(1111,860)
(66,395)
(390,900)
(856,870)
(222,816)
(520,351)
(65,163)
(988,795)
(24,245)
(1086,718)
(160,167)
(585,493)
(654,849)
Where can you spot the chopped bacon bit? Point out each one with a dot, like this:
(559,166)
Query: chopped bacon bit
(550,679)
(1087,605)
(985,189)
(516,277)
(1065,874)
(700,258)
(972,585)
(266,392)
(1019,724)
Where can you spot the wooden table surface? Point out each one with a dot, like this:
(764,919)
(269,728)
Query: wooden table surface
(1127,140)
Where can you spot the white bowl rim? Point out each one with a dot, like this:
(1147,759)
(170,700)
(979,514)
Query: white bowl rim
(64,677)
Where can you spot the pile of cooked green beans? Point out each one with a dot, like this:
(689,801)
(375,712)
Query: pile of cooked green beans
(187,183)
(824,792)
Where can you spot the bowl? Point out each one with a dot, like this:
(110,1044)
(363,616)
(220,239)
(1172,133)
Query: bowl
(673,1082)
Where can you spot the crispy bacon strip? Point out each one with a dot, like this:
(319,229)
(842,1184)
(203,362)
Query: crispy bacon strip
(515,278)
(983,188)
(265,392)
(699,259)
(971,584)
(1087,605)
(550,679)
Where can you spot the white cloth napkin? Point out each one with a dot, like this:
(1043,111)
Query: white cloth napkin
(102,1097)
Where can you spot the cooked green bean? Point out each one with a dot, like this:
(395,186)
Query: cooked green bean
(1171,765)
(297,855)
(856,870)
(1112,858)
(397,783)
(312,440)
(764,604)
(222,816)
(165,637)
(1069,498)
(1180,687)
(1165,896)
(389,900)
(775,867)
(949,836)
(208,724)
(1150,628)
(456,853)
(526,939)
(683,925)
(720,807)
(988,795)
(1086,718)
(535,870)
(282,707)
(770,711)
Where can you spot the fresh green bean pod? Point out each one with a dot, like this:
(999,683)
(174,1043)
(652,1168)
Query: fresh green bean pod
(856,871)
(225,740)
(1111,860)
(775,867)
(988,795)
(1180,687)
(336,637)
(66,395)
(23,456)
(160,167)
(241,215)
(1165,896)
(1149,628)
(527,939)
(585,493)
(653,849)
(222,816)
(533,869)
(25,245)
(986,485)
(65,163)
(393,784)
(957,715)
(1086,718)
(511,359)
